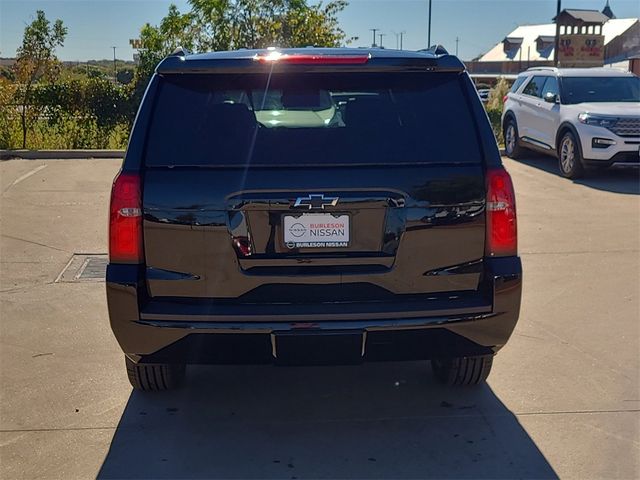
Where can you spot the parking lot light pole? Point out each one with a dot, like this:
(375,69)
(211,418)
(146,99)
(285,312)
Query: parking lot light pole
(374,30)
(556,47)
(115,68)
(429,28)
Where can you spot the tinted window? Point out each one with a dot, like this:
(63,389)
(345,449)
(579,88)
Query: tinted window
(534,87)
(600,89)
(516,85)
(321,118)
(550,86)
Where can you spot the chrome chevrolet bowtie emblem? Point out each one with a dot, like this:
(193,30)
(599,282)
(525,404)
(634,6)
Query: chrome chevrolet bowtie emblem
(316,201)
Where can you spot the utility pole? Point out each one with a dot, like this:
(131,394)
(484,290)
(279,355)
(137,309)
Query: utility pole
(115,68)
(381,35)
(429,29)
(399,39)
(374,30)
(457,40)
(556,46)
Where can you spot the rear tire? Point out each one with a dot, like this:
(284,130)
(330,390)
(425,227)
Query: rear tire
(154,377)
(570,157)
(511,143)
(462,370)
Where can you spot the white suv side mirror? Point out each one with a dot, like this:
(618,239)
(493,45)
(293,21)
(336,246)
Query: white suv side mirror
(551,97)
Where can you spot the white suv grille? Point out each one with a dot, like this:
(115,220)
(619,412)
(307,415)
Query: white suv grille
(626,127)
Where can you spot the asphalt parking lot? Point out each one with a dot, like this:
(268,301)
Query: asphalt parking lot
(563,398)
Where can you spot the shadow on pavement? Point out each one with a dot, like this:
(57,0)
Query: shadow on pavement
(373,421)
(616,180)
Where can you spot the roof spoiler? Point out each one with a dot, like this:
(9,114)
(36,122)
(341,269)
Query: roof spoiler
(180,62)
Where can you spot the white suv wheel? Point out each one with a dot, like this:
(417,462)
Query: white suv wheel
(511,147)
(567,154)
(510,140)
(569,157)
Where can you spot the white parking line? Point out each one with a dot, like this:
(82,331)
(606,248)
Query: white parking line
(26,175)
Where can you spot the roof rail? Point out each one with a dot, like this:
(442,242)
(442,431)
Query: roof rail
(436,50)
(550,69)
(180,51)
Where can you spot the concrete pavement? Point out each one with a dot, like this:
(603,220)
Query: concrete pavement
(563,398)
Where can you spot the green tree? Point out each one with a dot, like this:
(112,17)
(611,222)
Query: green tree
(174,30)
(36,61)
(7,110)
(231,24)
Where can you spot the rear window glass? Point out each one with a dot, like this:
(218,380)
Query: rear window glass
(516,85)
(311,119)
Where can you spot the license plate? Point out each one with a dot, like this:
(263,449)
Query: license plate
(316,230)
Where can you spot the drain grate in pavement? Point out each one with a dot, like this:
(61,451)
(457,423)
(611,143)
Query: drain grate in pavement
(84,268)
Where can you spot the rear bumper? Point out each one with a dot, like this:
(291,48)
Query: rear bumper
(284,337)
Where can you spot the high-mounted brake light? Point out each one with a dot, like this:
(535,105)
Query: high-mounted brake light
(125,220)
(502,233)
(311,59)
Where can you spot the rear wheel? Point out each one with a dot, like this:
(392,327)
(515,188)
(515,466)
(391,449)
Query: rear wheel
(462,370)
(570,157)
(154,377)
(511,146)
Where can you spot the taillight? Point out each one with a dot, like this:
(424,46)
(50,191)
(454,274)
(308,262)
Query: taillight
(311,59)
(502,234)
(505,98)
(125,220)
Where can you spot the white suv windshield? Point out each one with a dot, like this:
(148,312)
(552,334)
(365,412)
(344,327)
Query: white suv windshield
(600,89)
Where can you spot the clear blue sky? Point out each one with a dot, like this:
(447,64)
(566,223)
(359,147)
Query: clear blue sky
(95,25)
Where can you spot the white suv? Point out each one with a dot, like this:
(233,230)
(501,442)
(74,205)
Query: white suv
(586,117)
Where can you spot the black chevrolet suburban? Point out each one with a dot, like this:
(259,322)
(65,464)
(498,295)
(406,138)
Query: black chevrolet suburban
(312,206)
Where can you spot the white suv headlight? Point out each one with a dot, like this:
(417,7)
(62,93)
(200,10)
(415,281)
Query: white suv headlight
(597,120)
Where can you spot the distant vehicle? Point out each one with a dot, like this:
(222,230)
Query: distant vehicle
(483,93)
(312,206)
(587,118)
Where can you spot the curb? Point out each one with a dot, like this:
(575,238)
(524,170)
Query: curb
(59,154)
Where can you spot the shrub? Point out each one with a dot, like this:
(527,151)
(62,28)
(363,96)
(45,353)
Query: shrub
(494,115)
(74,113)
(494,107)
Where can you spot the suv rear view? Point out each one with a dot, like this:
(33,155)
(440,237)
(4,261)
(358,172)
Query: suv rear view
(312,206)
